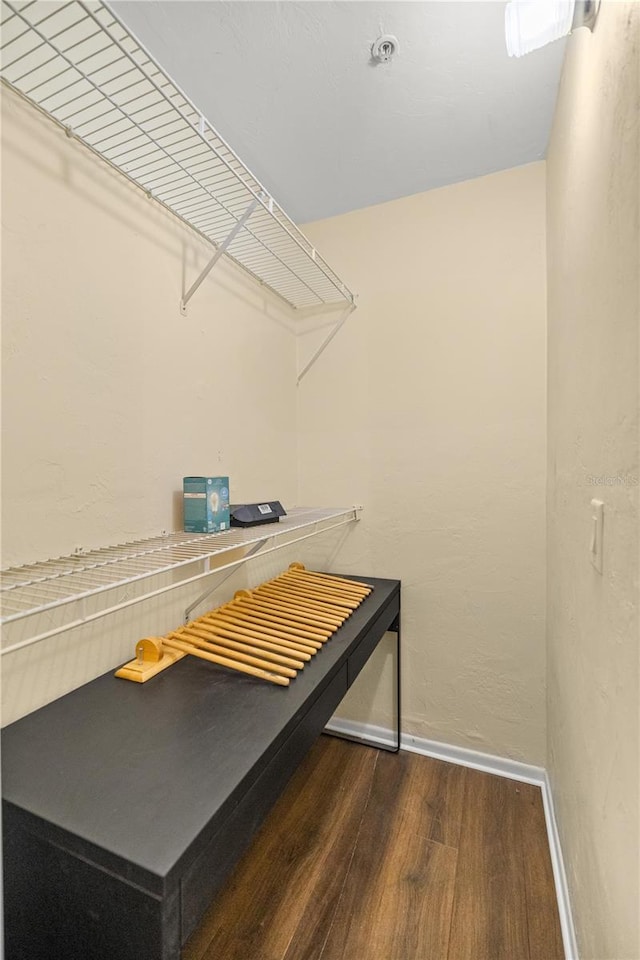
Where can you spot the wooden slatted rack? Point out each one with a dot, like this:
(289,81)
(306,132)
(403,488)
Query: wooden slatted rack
(269,632)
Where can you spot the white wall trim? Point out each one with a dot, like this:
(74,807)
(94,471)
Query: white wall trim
(559,874)
(487,763)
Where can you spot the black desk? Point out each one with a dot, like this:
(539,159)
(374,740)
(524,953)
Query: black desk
(126,805)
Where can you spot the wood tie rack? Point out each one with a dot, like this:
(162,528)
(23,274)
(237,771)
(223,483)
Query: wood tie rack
(269,632)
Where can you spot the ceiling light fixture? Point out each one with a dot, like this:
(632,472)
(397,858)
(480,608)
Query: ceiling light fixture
(530,24)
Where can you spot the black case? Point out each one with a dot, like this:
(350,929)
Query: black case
(253,514)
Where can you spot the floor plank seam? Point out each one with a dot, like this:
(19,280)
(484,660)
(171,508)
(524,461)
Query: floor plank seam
(439,843)
(455,876)
(526,885)
(455,880)
(353,853)
(289,942)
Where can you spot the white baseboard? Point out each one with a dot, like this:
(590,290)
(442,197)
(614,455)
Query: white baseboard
(487,763)
(559,874)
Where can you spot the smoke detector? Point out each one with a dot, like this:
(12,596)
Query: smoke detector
(384,48)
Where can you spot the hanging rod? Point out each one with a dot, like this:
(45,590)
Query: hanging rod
(79,64)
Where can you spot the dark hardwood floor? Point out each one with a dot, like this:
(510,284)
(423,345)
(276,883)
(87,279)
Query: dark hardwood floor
(375,856)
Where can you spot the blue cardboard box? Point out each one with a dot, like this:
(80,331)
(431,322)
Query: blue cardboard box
(206,504)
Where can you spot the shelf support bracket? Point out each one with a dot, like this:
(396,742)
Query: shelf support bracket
(207,593)
(327,340)
(214,259)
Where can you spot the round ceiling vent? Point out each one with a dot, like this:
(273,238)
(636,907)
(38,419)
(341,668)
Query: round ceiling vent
(384,48)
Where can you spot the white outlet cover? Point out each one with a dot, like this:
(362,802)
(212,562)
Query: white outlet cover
(597,531)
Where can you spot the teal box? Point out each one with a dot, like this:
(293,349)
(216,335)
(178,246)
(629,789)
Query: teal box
(206,504)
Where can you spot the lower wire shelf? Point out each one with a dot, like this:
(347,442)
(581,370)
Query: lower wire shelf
(37,588)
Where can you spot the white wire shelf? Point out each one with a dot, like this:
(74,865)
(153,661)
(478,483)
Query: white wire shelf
(39,587)
(78,63)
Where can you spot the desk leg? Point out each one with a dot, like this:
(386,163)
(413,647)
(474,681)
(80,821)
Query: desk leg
(367,741)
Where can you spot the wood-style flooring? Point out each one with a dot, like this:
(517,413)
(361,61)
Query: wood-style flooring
(375,856)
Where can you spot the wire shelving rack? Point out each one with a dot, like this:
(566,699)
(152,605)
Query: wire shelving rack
(48,586)
(79,64)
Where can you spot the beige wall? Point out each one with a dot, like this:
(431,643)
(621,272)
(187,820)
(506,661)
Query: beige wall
(429,408)
(110,396)
(593,176)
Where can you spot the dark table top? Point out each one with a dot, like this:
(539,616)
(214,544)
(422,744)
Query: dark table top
(138,771)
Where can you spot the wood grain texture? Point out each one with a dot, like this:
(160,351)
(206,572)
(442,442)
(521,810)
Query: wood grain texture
(398,895)
(286,888)
(374,856)
(545,938)
(490,908)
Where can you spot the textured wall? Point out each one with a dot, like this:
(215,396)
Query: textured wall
(110,396)
(429,407)
(593,175)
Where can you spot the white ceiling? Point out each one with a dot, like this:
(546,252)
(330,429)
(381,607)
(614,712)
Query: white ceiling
(291,86)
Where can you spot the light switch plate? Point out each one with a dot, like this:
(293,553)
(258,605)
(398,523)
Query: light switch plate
(597,530)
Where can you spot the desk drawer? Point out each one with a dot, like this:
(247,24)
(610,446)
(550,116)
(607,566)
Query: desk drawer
(205,876)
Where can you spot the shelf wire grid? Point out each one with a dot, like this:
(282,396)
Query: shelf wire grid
(38,587)
(78,63)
